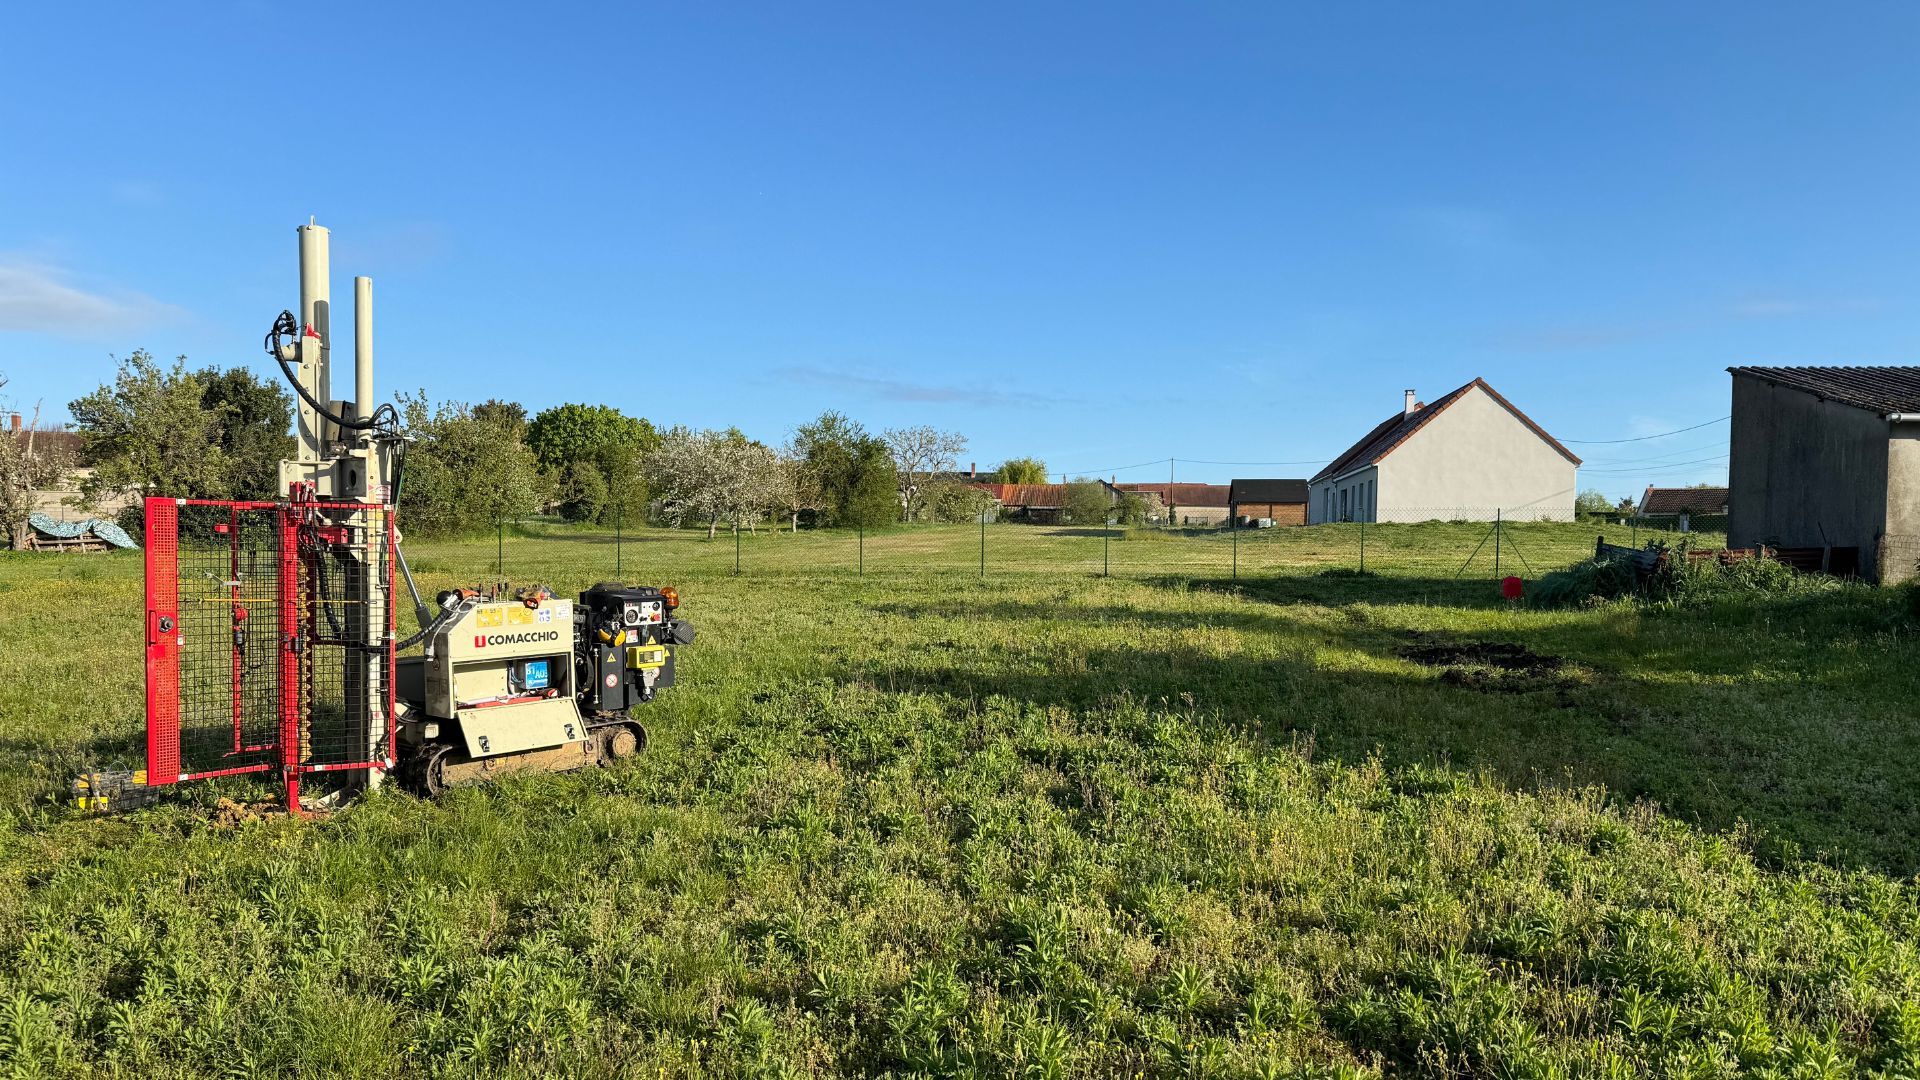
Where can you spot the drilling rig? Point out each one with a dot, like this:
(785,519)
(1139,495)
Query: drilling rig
(271,644)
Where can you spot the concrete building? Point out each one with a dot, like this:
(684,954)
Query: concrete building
(1828,458)
(1469,455)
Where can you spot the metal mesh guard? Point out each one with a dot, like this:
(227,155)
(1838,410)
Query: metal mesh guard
(269,638)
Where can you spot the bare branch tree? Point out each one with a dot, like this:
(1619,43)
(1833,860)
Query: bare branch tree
(919,452)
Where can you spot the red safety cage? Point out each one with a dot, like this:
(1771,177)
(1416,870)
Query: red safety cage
(270,639)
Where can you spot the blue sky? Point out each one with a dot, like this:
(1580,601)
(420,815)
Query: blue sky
(1099,234)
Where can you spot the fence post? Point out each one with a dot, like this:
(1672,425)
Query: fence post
(1363,545)
(1496,543)
(861,530)
(736,548)
(983,546)
(1106,545)
(618,514)
(1233,526)
(499,546)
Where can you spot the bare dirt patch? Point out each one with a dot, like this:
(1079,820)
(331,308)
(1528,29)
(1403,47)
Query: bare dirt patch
(1494,666)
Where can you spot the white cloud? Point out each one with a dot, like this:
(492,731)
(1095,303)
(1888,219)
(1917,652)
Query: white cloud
(36,298)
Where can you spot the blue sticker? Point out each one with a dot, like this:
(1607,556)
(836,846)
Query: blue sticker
(536,674)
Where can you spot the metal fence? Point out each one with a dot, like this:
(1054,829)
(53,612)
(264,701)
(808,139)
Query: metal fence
(1457,544)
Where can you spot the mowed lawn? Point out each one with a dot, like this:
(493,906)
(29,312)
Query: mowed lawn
(1040,823)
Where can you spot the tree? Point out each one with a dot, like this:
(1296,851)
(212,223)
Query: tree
(712,476)
(597,433)
(26,465)
(954,501)
(1591,501)
(582,492)
(467,469)
(917,452)
(1022,470)
(1130,509)
(872,495)
(797,487)
(604,437)
(255,416)
(858,485)
(626,483)
(507,416)
(1086,502)
(151,432)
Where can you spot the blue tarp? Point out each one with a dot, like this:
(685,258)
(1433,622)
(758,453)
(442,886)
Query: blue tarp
(68,530)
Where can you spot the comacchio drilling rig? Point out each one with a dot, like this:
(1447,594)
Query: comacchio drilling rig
(271,644)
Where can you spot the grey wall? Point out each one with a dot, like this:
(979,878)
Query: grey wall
(1900,550)
(1805,472)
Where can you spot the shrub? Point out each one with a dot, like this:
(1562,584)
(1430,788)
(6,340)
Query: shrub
(1679,580)
(1588,581)
(582,492)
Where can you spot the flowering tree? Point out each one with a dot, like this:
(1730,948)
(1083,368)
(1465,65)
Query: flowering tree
(713,476)
(919,452)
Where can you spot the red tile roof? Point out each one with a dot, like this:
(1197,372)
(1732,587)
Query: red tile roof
(1399,427)
(1878,389)
(1049,496)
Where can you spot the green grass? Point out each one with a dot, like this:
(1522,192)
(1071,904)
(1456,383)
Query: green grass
(1045,824)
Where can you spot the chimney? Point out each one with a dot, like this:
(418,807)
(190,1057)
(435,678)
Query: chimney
(16,422)
(1411,405)
(972,467)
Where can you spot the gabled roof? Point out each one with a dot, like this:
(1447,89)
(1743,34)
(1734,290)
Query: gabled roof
(1043,496)
(1877,389)
(1267,491)
(1182,494)
(1399,427)
(1704,500)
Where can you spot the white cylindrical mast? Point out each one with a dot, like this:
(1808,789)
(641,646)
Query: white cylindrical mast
(316,289)
(362,347)
(315,304)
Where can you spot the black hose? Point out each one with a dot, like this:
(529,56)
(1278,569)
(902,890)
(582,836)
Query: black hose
(383,417)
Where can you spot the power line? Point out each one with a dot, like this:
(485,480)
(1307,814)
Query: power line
(1197,461)
(1644,438)
(1190,461)
(1604,462)
(1657,468)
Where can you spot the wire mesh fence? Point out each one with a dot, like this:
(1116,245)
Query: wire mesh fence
(1454,544)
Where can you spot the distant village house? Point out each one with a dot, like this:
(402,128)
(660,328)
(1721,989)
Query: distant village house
(1283,502)
(1679,507)
(1467,456)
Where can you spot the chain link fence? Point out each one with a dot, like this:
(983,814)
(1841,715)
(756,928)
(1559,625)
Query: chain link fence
(1454,544)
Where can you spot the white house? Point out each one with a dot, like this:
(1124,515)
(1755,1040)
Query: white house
(1463,457)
